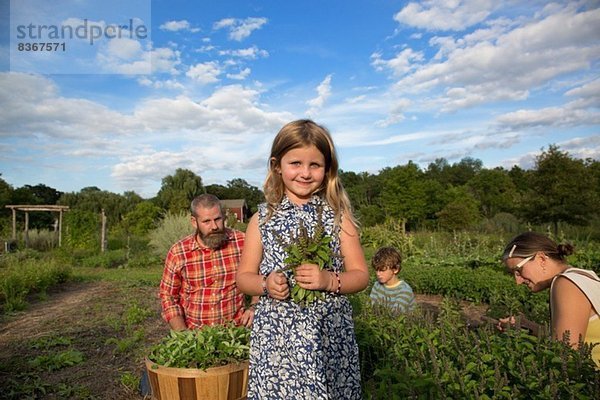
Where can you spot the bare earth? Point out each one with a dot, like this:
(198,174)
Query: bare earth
(90,315)
(93,317)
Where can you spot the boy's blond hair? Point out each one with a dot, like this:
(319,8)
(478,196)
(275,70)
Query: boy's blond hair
(387,258)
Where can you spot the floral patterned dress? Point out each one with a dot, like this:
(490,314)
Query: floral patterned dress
(301,352)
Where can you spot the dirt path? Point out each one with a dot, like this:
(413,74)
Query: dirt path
(43,317)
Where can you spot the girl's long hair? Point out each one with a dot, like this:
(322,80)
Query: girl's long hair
(303,133)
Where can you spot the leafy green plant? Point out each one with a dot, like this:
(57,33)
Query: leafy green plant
(128,343)
(308,249)
(424,356)
(25,386)
(207,347)
(47,342)
(55,361)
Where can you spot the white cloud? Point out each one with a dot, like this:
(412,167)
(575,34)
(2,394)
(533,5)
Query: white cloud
(205,73)
(589,93)
(232,117)
(479,69)
(243,74)
(445,15)
(124,49)
(583,110)
(240,29)
(396,114)
(399,65)
(549,116)
(323,91)
(181,25)
(251,53)
(170,84)
(164,59)
(30,106)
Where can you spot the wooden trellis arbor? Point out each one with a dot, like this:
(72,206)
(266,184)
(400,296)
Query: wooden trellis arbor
(30,208)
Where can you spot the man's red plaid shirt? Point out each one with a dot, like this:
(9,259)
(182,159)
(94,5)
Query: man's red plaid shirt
(198,283)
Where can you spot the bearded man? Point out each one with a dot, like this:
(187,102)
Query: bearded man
(198,282)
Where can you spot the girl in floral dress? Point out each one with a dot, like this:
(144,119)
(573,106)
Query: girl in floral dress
(303,351)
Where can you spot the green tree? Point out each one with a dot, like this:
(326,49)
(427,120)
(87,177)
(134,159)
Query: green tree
(364,191)
(461,210)
(456,174)
(177,191)
(403,193)
(561,190)
(142,219)
(463,171)
(94,200)
(43,194)
(6,191)
(494,190)
(439,170)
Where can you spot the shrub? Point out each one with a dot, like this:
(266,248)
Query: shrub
(172,228)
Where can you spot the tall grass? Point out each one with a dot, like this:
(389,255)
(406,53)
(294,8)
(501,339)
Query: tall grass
(23,275)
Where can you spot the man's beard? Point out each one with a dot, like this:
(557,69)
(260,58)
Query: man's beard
(213,240)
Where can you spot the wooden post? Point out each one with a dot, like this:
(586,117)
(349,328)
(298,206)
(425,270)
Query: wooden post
(60,215)
(26,229)
(103,235)
(14,214)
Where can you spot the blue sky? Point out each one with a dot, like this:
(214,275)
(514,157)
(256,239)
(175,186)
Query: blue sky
(213,82)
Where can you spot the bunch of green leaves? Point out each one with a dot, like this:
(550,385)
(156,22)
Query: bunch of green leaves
(308,249)
(207,347)
(421,355)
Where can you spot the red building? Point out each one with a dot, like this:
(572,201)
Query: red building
(235,206)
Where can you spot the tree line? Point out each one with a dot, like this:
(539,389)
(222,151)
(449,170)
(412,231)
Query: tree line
(558,189)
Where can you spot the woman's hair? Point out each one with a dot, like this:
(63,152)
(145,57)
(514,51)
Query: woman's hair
(387,258)
(528,243)
(302,133)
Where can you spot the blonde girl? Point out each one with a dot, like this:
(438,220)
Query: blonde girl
(302,352)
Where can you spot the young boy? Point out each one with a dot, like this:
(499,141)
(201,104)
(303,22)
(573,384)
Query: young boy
(389,290)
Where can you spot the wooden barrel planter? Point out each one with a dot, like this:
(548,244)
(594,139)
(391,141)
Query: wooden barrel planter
(229,382)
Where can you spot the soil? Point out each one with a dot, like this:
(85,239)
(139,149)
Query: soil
(92,317)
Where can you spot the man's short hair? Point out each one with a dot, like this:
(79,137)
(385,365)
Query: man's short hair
(206,200)
(386,258)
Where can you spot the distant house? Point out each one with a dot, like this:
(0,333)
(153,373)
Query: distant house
(237,207)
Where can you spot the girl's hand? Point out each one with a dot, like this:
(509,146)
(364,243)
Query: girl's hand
(309,276)
(277,286)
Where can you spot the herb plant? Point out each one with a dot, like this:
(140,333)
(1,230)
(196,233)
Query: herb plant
(308,249)
(207,347)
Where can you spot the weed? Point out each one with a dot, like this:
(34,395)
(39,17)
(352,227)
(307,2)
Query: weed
(56,361)
(48,342)
(130,381)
